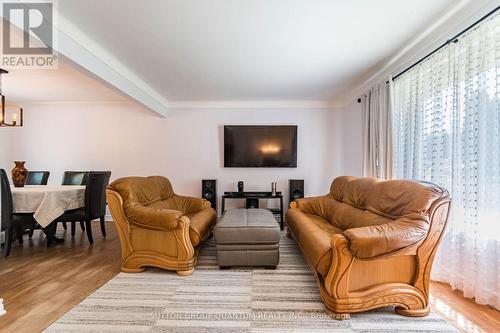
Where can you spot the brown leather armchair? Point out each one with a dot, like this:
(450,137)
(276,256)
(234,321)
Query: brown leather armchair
(156,226)
(371,243)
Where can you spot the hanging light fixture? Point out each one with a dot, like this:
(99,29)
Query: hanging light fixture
(17,112)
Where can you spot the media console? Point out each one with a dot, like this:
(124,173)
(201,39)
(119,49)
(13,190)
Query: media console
(252,201)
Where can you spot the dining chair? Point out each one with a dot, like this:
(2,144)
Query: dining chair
(95,203)
(37,177)
(74,178)
(12,223)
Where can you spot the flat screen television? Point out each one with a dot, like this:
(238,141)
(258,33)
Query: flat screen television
(258,146)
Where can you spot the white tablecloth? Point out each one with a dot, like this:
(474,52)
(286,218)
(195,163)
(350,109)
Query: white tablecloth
(47,202)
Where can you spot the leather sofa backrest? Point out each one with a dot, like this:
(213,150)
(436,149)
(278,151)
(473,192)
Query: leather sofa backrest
(369,201)
(142,191)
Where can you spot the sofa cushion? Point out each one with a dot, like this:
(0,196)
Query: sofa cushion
(383,216)
(200,224)
(389,198)
(142,190)
(346,217)
(371,241)
(324,206)
(313,233)
(337,188)
(153,218)
(187,205)
(151,202)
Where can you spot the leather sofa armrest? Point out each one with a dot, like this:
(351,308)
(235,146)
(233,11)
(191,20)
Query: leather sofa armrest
(401,236)
(337,279)
(188,205)
(153,218)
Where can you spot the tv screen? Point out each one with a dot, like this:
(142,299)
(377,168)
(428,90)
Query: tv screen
(260,146)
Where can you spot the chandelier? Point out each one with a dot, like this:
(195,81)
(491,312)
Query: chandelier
(15,111)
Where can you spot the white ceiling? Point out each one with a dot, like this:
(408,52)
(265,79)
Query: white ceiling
(307,52)
(67,84)
(230,50)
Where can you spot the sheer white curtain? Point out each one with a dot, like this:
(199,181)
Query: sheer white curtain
(376,105)
(447,130)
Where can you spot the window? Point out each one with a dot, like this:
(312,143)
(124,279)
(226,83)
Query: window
(447,130)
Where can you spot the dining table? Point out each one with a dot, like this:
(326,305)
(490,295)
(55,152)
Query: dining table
(47,203)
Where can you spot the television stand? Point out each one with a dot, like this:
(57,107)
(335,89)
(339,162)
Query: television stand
(252,201)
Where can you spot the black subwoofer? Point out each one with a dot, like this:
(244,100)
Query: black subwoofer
(252,203)
(296,187)
(209,191)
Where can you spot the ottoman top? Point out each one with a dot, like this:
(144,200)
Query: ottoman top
(247,226)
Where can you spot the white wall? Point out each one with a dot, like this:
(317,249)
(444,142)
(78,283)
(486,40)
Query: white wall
(352,140)
(5,148)
(186,147)
(5,163)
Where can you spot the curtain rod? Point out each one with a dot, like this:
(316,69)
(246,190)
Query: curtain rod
(359,99)
(454,39)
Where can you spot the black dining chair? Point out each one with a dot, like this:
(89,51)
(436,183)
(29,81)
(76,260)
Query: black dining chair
(12,223)
(37,177)
(95,203)
(74,178)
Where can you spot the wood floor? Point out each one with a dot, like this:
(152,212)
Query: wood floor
(40,284)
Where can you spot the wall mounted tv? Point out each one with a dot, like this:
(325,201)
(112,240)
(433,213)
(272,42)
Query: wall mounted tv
(260,146)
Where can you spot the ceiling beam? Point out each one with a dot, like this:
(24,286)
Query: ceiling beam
(82,56)
(84,52)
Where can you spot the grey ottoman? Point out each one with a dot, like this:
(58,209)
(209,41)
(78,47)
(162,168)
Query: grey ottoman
(247,237)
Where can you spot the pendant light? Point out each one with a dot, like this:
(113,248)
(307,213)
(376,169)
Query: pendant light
(17,112)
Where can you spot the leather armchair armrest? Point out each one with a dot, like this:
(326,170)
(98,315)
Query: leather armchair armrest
(153,218)
(188,205)
(401,236)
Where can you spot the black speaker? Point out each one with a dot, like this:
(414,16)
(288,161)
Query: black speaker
(296,187)
(209,191)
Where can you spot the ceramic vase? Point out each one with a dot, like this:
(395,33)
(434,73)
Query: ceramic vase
(19,174)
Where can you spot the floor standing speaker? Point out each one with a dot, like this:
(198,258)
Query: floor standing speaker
(209,191)
(296,187)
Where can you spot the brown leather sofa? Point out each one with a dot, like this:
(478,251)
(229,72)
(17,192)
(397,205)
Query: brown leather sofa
(371,243)
(156,226)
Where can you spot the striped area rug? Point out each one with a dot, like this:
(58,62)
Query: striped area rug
(236,300)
